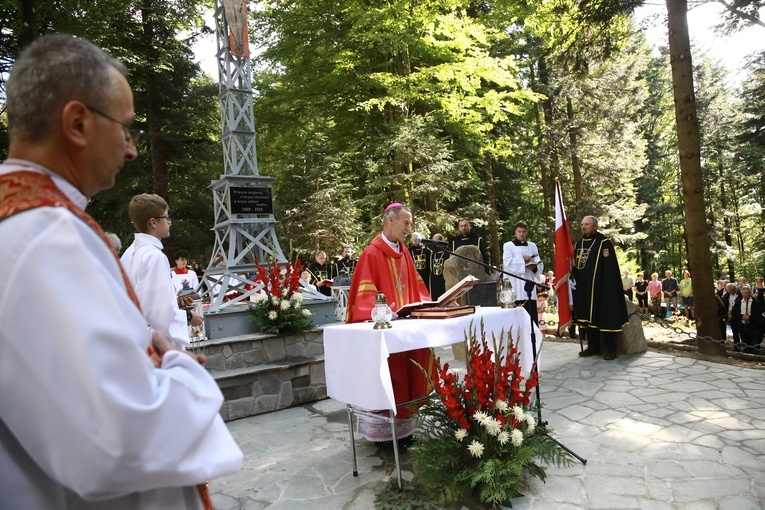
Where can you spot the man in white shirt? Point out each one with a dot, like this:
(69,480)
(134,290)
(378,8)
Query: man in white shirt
(521,257)
(87,419)
(149,272)
(747,314)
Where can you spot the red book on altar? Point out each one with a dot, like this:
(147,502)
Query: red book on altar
(448,297)
(443,312)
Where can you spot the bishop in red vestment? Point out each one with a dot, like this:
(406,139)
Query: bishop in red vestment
(386,266)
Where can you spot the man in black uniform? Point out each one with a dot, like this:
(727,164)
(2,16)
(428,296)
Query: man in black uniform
(346,264)
(421,256)
(599,298)
(320,273)
(436,282)
(467,236)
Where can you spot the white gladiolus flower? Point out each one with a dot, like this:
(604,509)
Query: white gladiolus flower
(516,437)
(501,406)
(461,434)
(273,315)
(503,437)
(285,305)
(475,448)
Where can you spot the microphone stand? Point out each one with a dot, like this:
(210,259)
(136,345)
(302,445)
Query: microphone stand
(528,287)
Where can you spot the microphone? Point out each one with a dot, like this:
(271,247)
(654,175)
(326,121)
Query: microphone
(433,242)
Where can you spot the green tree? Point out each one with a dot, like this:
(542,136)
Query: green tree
(658,185)
(180,152)
(689,149)
(405,95)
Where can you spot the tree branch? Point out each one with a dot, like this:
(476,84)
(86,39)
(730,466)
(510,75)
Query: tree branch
(749,17)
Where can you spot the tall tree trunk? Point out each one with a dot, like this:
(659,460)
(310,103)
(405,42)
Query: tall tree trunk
(549,173)
(488,165)
(726,219)
(689,147)
(28,23)
(575,168)
(154,111)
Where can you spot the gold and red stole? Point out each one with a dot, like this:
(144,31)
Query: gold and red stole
(24,190)
(381,269)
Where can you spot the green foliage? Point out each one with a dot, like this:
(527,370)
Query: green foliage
(403,99)
(408,497)
(180,152)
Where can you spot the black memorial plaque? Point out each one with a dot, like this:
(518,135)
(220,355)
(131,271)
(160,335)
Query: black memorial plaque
(251,201)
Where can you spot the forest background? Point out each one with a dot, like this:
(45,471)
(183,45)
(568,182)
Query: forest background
(457,108)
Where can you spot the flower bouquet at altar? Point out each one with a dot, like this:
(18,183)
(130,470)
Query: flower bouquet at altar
(279,306)
(477,437)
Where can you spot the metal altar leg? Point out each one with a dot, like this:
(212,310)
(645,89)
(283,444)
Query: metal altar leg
(392,419)
(353,441)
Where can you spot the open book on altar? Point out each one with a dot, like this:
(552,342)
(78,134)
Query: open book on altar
(447,298)
(446,312)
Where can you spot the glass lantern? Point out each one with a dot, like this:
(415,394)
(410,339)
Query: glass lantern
(506,294)
(381,313)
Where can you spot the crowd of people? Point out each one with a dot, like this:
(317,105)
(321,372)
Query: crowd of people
(740,306)
(651,295)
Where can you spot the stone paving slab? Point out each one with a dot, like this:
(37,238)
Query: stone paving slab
(658,432)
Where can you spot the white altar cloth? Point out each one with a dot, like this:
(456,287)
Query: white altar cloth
(355,355)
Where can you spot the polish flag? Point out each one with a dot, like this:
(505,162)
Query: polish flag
(564,254)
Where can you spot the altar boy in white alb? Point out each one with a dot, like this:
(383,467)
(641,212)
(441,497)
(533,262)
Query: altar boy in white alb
(521,257)
(149,270)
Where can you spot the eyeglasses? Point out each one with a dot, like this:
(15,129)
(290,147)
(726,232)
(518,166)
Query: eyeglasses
(131,135)
(166,217)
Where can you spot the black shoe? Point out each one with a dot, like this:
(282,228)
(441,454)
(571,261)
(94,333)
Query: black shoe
(404,443)
(609,356)
(385,445)
(589,352)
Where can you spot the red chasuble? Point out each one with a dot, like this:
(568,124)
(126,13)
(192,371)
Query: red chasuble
(380,269)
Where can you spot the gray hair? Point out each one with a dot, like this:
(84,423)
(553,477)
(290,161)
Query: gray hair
(393,212)
(50,72)
(115,240)
(593,219)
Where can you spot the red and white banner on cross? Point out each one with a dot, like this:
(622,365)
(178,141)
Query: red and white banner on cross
(564,254)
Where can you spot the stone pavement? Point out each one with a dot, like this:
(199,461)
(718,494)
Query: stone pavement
(658,431)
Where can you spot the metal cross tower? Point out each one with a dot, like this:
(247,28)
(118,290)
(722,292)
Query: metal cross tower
(244,216)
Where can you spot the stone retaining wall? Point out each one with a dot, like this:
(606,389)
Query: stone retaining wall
(260,373)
